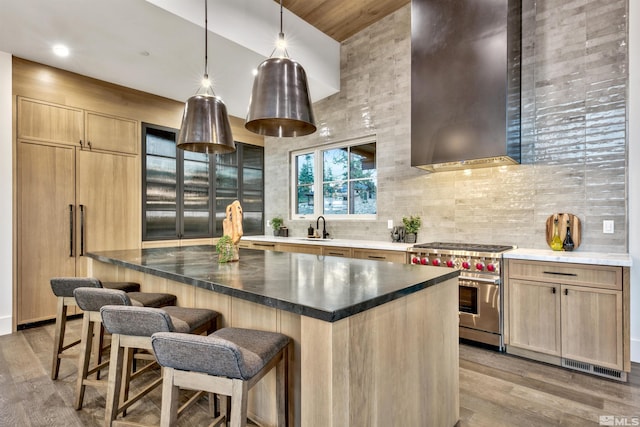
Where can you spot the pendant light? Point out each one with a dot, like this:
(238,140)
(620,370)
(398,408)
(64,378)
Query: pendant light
(205,124)
(280,104)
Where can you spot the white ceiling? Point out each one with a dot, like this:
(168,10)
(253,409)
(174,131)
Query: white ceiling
(157,46)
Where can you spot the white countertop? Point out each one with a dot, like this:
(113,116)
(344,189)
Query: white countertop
(347,243)
(599,258)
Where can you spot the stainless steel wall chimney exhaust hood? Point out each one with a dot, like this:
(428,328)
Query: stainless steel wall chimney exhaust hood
(465,83)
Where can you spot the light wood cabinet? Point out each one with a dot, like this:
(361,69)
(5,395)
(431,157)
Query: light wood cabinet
(45,223)
(568,314)
(108,196)
(534,314)
(70,200)
(338,251)
(380,255)
(111,133)
(592,326)
(43,121)
(58,124)
(299,248)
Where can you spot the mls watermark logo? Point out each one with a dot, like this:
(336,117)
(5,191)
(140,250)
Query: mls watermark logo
(613,420)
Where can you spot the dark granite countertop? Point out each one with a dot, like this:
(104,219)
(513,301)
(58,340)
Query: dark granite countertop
(322,287)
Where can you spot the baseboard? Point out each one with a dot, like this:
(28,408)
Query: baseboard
(6,325)
(635,350)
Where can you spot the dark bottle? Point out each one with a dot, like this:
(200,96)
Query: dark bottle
(567,244)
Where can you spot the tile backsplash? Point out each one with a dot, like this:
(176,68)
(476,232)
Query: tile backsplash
(574,142)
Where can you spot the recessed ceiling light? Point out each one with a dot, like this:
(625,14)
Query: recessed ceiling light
(61,50)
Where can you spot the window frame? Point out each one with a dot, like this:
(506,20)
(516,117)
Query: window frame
(213,230)
(318,174)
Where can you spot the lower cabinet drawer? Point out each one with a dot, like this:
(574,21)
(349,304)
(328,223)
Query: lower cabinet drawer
(379,255)
(337,251)
(600,276)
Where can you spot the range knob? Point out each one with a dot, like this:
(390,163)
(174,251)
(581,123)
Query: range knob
(415,260)
(424,261)
(480,266)
(491,267)
(436,262)
(450,263)
(466,265)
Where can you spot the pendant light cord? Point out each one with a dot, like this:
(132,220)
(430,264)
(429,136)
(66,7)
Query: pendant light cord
(280,37)
(281,32)
(206,42)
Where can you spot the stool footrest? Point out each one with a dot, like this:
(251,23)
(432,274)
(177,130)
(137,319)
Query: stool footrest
(68,346)
(94,383)
(125,405)
(193,399)
(98,367)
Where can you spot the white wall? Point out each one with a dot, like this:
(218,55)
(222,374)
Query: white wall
(634,174)
(6,185)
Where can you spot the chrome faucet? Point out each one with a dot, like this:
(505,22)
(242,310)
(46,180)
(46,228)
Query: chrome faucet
(324,226)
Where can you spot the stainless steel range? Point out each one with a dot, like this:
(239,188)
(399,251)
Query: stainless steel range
(480,284)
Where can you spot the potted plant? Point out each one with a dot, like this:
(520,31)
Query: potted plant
(224,248)
(411,224)
(276,223)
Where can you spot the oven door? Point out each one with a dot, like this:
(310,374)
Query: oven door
(480,303)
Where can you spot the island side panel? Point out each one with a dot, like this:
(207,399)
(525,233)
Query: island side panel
(237,313)
(396,364)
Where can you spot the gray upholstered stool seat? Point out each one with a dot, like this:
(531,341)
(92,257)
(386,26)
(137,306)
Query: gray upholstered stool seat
(237,358)
(63,288)
(90,300)
(131,328)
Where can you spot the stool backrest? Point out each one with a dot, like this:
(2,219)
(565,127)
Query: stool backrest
(64,286)
(136,321)
(92,299)
(207,354)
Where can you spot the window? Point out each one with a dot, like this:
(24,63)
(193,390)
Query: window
(338,180)
(177,188)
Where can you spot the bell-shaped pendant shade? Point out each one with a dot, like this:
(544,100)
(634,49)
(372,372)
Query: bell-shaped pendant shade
(205,126)
(280,104)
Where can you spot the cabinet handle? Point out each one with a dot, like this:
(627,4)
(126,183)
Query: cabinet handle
(553,290)
(566,291)
(376,257)
(71,230)
(336,254)
(80,142)
(81,230)
(265,245)
(89,145)
(556,273)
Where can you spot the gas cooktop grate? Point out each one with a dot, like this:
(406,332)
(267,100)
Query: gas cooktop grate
(470,247)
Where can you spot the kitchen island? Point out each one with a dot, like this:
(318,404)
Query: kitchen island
(375,343)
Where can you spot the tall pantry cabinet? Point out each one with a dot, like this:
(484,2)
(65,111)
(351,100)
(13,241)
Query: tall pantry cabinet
(78,185)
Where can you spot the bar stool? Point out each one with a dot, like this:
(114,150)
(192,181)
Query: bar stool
(90,300)
(62,288)
(228,362)
(131,329)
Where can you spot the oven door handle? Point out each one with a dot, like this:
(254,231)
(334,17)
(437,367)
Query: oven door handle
(480,279)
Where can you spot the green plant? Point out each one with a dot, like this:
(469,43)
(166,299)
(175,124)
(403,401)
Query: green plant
(276,222)
(224,248)
(412,223)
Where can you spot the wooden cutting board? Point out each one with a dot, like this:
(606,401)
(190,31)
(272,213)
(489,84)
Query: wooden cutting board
(574,223)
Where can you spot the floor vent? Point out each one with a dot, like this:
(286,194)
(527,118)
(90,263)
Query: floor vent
(594,369)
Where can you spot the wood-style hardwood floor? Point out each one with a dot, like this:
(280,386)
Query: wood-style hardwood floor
(495,390)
